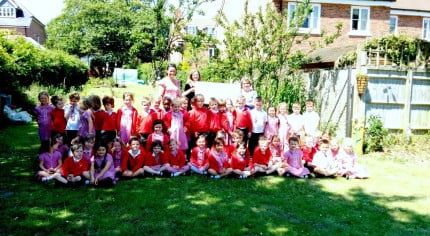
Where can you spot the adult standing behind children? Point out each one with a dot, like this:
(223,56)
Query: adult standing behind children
(247,91)
(189,90)
(169,86)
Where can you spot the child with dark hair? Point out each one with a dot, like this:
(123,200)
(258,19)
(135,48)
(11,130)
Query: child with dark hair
(133,159)
(72,115)
(102,168)
(156,160)
(158,133)
(109,124)
(57,115)
(50,163)
(219,160)
(293,160)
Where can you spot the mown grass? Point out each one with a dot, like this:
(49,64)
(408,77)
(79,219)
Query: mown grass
(395,201)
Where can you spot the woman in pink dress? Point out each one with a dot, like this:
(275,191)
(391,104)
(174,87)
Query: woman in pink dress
(348,163)
(293,160)
(169,86)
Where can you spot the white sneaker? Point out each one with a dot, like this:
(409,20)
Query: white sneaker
(44,179)
(215,176)
(87,182)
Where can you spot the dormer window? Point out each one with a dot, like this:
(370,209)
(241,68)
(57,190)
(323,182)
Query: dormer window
(7,12)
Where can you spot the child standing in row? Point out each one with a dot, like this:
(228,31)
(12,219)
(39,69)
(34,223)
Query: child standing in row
(43,116)
(259,120)
(109,125)
(145,119)
(72,115)
(57,116)
(284,127)
(272,125)
(175,121)
(126,118)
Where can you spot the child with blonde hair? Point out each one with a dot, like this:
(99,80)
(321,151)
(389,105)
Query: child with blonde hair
(43,117)
(349,168)
(175,121)
(284,127)
(127,118)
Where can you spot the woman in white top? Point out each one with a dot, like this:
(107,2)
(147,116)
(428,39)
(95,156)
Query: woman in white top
(248,92)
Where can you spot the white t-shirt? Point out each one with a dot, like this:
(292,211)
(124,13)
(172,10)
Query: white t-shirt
(259,119)
(74,117)
(296,122)
(311,121)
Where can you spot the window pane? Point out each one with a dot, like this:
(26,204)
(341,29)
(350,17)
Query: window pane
(426,27)
(364,17)
(306,23)
(393,23)
(315,16)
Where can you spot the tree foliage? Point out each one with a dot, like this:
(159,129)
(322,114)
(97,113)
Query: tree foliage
(261,46)
(21,64)
(121,30)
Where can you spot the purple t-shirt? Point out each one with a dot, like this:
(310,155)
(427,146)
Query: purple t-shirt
(50,160)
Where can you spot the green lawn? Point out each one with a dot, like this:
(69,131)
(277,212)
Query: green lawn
(395,201)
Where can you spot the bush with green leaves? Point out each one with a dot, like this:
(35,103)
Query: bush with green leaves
(375,135)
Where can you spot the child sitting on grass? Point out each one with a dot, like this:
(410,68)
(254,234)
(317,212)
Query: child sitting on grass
(349,168)
(199,157)
(219,160)
(76,168)
(323,162)
(102,169)
(50,163)
(293,160)
(177,162)
(240,161)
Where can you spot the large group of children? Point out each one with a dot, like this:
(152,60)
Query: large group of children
(83,143)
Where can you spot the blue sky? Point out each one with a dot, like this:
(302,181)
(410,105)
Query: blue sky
(44,10)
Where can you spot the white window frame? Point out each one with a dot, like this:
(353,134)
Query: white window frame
(211,52)
(396,23)
(426,29)
(360,32)
(7,12)
(314,18)
(192,32)
(211,31)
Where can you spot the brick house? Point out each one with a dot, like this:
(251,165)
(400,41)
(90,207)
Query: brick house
(363,19)
(16,18)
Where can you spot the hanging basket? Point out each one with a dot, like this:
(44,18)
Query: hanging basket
(362,80)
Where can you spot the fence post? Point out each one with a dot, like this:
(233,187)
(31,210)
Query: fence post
(408,97)
(348,104)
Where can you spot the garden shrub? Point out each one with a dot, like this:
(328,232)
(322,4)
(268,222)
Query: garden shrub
(375,135)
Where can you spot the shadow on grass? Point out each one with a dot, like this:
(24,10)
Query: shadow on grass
(194,204)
